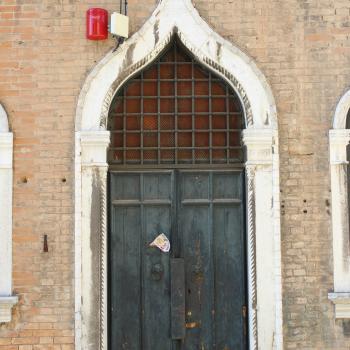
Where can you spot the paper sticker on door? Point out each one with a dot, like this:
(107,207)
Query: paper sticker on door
(161,242)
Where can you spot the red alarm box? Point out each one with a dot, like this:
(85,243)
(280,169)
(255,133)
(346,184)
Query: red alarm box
(96,24)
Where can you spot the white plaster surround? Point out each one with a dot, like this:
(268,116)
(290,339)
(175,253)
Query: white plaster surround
(262,170)
(7,300)
(339,138)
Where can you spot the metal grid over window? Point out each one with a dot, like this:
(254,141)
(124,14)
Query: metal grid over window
(176,112)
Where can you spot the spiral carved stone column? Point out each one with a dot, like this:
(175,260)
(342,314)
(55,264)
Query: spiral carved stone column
(103,260)
(264,304)
(253,330)
(93,236)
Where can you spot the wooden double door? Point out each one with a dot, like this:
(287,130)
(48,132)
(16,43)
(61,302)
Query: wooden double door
(192,297)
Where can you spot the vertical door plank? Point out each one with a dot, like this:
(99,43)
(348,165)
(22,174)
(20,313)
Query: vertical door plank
(228,278)
(156,281)
(125,282)
(228,231)
(195,229)
(177,270)
(155,268)
(125,258)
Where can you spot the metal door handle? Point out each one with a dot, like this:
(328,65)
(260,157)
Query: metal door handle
(157,272)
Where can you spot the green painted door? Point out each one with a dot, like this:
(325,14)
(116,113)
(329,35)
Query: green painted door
(194,296)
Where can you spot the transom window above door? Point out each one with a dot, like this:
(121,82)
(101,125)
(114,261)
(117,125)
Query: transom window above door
(176,112)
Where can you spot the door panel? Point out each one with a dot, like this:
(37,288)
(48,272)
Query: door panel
(141,207)
(156,280)
(125,302)
(196,250)
(211,224)
(229,296)
(201,212)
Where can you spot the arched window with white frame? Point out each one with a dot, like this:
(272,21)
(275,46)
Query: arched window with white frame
(7,300)
(339,138)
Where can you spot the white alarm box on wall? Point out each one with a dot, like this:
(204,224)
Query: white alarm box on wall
(119,25)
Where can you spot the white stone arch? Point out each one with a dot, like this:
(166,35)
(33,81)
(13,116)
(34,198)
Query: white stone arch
(4,124)
(262,169)
(7,300)
(339,138)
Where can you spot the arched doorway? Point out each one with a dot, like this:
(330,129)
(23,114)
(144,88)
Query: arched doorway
(176,166)
(260,140)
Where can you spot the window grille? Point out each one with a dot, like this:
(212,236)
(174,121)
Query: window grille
(175,112)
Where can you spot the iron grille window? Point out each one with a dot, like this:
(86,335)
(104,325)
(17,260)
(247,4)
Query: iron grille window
(176,112)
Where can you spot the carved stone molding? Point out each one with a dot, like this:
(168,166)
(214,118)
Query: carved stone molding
(338,140)
(94,147)
(342,304)
(103,261)
(258,144)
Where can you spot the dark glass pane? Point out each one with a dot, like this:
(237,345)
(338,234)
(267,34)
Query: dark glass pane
(133,88)
(201,122)
(150,88)
(184,71)
(150,122)
(218,104)
(150,140)
(184,88)
(133,105)
(219,121)
(133,123)
(201,88)
(151,73)
(167,122)
(167,88)
(184,139)
(184,121)
(167,105)
(167,71)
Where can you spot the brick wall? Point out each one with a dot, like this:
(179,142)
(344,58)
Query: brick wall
(302,47)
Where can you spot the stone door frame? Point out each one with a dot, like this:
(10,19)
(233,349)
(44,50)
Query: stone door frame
(260,139)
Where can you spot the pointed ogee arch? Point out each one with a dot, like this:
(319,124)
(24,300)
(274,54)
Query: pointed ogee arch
(144,46)
(260,138)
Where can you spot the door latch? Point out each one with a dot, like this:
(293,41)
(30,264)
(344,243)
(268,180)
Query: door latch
(191,325)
